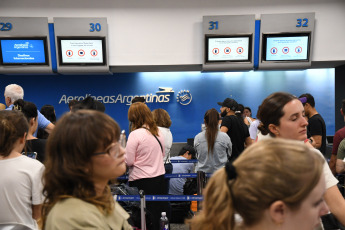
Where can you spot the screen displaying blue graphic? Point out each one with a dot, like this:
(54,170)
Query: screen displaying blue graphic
(292,47)
(23,51)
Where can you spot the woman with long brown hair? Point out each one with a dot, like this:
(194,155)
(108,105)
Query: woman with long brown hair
(83,153)
(213,147)
(144,157)
(273,184)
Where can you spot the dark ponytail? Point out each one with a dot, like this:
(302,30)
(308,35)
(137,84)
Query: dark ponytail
(211,118)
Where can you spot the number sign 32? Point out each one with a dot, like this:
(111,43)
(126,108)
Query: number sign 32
(302,22)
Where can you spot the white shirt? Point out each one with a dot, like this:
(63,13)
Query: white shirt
(168,140)
(21,187)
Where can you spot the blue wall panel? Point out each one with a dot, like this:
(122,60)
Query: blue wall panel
(206,89)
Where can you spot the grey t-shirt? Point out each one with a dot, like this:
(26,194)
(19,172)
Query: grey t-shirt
(210,162)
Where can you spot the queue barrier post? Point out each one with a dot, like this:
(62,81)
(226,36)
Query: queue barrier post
(143,209)
(201,182)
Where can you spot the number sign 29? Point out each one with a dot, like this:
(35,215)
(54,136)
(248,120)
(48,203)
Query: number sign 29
(5,26)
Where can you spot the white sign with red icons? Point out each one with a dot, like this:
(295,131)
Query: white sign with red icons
(287,48)
(89,51)
(224,46)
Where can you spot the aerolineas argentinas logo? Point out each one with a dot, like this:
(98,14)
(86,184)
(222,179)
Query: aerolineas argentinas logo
(184,97)
(162,96)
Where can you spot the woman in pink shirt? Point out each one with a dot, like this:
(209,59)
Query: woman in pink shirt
(144,157)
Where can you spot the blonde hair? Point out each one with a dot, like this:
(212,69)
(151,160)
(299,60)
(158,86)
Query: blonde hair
(270,170)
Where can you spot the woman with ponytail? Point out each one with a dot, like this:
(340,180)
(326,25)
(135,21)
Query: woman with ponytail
(274,184)
(212,146)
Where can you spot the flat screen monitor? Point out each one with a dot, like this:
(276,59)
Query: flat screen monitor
(81,50)
(23,51)
(228,48)
(286,47)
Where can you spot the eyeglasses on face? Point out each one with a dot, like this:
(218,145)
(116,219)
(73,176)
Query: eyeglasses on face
(113,150)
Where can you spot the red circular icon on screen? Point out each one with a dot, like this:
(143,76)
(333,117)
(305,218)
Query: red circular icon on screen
(239,50)
(285,50)
(298,49)
(94,53)
(81,53)
(227,50)
(215,51)
(274,50)
(69,53)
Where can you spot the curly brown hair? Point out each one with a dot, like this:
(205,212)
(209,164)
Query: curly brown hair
(70,146)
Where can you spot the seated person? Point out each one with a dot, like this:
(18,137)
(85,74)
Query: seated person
(340,166)
(176,184)
(265,187)
(20,180)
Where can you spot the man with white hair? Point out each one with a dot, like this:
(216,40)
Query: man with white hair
(14,92)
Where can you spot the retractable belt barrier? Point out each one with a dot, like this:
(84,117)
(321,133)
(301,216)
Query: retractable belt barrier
(184,161)
(177,175)
(159,198)
(201,183)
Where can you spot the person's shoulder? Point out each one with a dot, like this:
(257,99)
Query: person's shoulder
(339,133)
(316,151)
(200,135)
(138,132)
(74,205)
(37,141)
(176,158)
(30,162)
(316,117)
(223,135)
(342,144)
(164,129)
(226,118)
(74,213)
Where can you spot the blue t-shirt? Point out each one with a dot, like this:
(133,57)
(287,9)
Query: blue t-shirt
(43,122)
(176,184)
